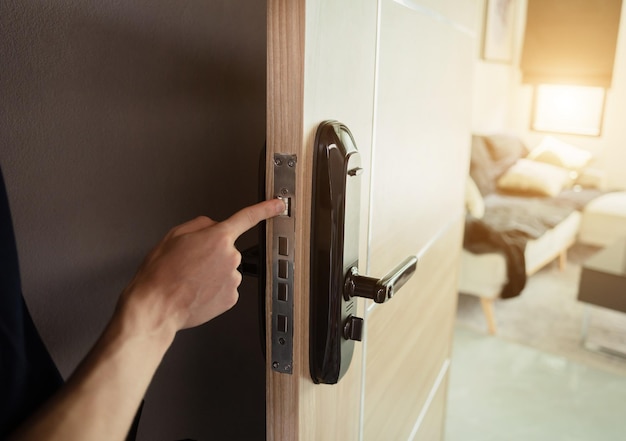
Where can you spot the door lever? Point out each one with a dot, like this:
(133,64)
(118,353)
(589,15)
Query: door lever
(379,290)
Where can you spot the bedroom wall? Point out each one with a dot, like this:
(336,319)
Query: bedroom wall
(119,120)
(495,83)
(503,103)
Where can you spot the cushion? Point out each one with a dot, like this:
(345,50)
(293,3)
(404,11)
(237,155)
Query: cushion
(556,152)
(592,178)
(481,166)
(534,178)
(474,202)
(505,149)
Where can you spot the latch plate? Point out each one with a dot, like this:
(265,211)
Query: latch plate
(283,248)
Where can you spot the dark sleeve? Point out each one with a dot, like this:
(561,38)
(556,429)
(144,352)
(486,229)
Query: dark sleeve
(28,376)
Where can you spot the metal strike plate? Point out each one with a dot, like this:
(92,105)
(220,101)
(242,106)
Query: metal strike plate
(283,246)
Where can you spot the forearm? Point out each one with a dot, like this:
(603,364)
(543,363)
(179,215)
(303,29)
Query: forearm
(100,399)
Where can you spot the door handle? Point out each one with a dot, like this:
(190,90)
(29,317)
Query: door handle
(379,290)
(334,259)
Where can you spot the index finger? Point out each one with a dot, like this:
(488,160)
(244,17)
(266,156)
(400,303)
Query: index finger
(248,217)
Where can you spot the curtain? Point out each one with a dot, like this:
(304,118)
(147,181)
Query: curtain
(570,42)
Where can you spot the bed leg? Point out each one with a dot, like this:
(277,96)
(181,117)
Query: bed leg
(562,260)
(487,305)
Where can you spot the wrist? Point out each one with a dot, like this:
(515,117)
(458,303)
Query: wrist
(136,317)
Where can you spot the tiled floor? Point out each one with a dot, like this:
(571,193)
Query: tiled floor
(504,391)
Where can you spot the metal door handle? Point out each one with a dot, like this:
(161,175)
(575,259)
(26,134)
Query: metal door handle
(379,290)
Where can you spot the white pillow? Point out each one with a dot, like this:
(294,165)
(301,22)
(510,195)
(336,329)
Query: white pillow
(537,178)
(474,203)
(556,152)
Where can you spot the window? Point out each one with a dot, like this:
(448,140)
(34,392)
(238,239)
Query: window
(568,109)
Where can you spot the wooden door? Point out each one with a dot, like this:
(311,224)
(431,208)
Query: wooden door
(397,74)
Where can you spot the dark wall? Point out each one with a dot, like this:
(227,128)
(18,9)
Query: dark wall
(119,120)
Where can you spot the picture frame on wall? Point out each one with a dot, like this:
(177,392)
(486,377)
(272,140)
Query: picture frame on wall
(499,31)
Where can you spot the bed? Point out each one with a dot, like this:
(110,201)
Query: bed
(529,215)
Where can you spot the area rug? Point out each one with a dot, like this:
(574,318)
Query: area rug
(548,317)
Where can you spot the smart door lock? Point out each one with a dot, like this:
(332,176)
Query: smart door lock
(335,220)
(334,248)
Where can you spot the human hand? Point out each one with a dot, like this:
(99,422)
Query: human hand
(191,276)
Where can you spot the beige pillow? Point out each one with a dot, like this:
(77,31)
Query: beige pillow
(592,178)
(556,152)
(474,203)
(535,178)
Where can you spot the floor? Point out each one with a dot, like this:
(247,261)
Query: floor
(505,391)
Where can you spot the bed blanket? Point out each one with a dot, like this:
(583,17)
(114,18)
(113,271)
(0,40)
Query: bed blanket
(510,221)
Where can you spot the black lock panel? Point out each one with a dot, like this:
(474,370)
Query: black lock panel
(335,278)
(334,250)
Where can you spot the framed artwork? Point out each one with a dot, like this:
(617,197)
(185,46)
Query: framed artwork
(499,31)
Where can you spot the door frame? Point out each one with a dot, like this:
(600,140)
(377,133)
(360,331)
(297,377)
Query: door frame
(285,101)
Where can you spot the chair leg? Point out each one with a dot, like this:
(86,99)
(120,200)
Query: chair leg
(487,305)
(562,260)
